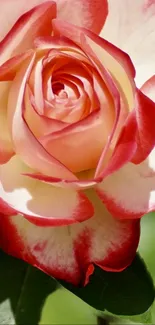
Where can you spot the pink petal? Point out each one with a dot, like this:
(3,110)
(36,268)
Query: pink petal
(130,26)
(34,23)
(25,143)
(75,140)
(39,125)
(6,147)
(145,117)
(115,61)
(41,203)
(68,252)
(37,86)
(125,148)
(137,137)
(84,12)
(81,12)
(9,69)
(130,191)
(63,183)
(148,88)
(115,68)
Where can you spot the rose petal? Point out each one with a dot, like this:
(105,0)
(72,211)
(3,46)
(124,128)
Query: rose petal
(9,69)
(59,43)
(6,147)
(42,203)
(75,184)
(36,22)
(38,87)
(124,150)
(115,61)
(76,139)
(130,26)
(84,12)
(130,191)
(68,252)
(25,143)
(145,117)
(81,12)
(137,137)
(148,88)
(39,125)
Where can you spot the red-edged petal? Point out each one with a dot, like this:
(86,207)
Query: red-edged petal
(114,60)
(148,88)
(36,22)
(42,203)
(63,183)
(68,252)
(124,150)
(9,69)
(84,12)
(137,138)
(118,64)
(145,117)
(130,191)
(128,24)
(81,12)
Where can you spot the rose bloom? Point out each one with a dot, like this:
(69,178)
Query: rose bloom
(75,135)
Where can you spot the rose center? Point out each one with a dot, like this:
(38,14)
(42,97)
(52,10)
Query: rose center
(58,90)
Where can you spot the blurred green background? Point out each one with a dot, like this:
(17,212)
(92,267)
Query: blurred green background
(62,307)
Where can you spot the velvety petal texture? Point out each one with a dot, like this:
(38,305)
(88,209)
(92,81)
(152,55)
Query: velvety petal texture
(20,37)
(40,202)
(6,147)
(77,137)
(81,12)
(68,252)
(130,26)
(130,192)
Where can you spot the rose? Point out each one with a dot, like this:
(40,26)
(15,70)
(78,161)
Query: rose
(72,120)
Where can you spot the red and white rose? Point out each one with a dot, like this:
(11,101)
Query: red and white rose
(76,134)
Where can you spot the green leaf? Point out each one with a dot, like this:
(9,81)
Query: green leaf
(129,292)
(63,307)
(23,290)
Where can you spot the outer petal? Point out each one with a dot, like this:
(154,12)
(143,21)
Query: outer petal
(9,69)
(34,23)
(137,138)
(42,203)
(68,252)
(81,12)
(145,117)
(125,148)
(149,88)
(130,192)
(84,12)
(7,72)
(130,26)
